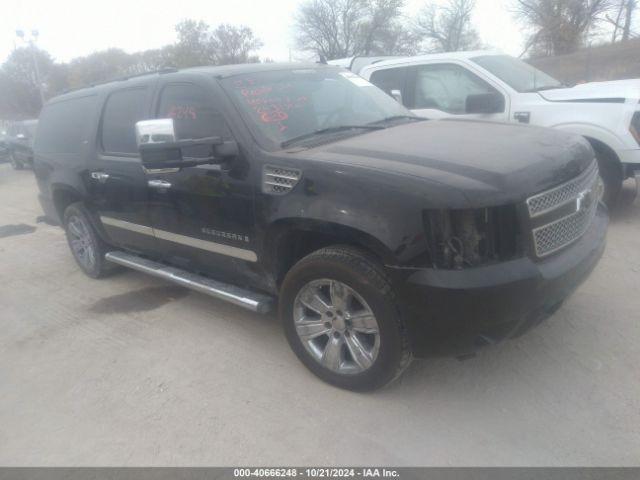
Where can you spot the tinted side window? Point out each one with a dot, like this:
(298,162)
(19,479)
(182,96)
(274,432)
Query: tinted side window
(446,87)
(64,126)
(121,112)
(193,112)
(390,79)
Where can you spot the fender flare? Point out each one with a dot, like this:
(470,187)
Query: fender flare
(602,135)
(277,232)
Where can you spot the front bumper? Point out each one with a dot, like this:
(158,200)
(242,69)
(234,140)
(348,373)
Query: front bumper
(455,312)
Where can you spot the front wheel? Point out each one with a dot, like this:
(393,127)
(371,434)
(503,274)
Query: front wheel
(341,319)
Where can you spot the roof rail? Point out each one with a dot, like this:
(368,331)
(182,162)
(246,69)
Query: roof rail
(123,78)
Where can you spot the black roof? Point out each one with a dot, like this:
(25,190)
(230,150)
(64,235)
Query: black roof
(219,71)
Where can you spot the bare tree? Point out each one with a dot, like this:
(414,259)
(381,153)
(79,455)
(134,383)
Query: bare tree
(199,45)
(329,28)
(623,20)
(383,32)
(447,28)
(344,28)
(559,26)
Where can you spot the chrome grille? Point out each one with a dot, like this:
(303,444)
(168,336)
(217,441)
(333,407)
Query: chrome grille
(585,192)
(551,199)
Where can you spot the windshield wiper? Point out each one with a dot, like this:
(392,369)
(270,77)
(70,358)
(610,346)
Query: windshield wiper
(398,117)
(340,128)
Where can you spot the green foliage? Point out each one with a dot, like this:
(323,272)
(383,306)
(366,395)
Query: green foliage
(19,95)
(197,44)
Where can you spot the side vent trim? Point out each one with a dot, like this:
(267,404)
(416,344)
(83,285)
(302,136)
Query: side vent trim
(279,180)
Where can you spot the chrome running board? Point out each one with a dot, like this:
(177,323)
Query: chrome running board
(256,302)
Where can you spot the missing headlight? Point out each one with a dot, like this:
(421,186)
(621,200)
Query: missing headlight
(460,239)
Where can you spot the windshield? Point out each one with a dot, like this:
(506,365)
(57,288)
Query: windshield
(289,104)
(519,75)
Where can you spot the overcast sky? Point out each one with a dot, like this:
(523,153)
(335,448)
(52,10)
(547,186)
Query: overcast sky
(72,28)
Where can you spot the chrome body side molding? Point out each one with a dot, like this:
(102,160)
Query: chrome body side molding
(220,248)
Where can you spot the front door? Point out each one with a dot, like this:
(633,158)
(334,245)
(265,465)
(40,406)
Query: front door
(203,216)
(118,182)
(440,90)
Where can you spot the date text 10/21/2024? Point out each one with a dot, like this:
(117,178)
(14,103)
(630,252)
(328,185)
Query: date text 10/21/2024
(315,473)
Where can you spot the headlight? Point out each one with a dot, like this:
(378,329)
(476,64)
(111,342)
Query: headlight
(460,239)
(634,128)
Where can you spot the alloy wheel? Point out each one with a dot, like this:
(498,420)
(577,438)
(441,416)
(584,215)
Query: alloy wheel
(336,326)
(81,242)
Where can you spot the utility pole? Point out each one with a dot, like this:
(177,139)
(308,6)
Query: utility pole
(32,48)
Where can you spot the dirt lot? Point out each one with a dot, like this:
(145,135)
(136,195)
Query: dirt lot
(133,371)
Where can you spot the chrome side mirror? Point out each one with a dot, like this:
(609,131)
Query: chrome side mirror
(397,95)
(155,132)
(160,149)
(157,144)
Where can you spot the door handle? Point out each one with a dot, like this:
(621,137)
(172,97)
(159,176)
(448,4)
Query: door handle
(158,184)
(100,176)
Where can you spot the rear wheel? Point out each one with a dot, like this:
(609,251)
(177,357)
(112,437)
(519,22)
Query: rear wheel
(87,247)
(341,319)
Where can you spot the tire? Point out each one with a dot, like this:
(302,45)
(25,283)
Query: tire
(611,174)
(82,237)
(15,163)
(346,351)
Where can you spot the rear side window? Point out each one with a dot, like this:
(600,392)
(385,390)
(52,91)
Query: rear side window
(390,79)
(193,111)
(121,112)
(64,126)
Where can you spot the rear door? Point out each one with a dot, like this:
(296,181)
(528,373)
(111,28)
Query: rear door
(118,182)
(203,216)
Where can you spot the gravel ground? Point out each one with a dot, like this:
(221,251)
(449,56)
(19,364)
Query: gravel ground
(133,371)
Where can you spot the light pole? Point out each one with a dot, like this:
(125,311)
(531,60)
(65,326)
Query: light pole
(32,47)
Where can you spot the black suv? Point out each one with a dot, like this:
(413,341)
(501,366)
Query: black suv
(382,235)
(19,141)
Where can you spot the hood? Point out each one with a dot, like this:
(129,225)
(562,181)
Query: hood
(489,163)
(607,92)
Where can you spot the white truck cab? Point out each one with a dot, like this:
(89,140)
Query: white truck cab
(489,85)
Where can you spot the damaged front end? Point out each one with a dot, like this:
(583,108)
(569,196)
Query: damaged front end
(459,239)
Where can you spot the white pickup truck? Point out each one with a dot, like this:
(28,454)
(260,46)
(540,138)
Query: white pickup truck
(493,86)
